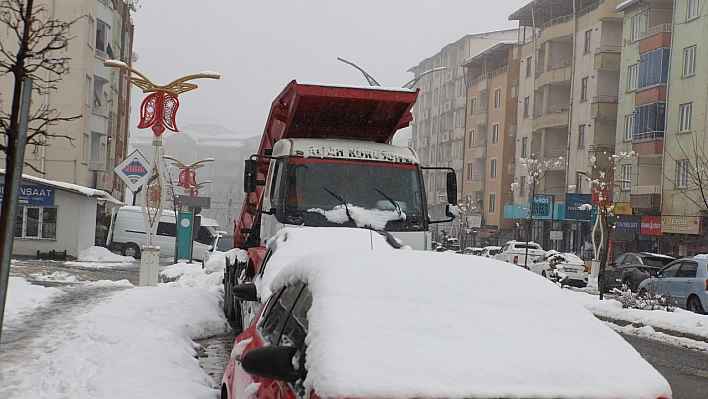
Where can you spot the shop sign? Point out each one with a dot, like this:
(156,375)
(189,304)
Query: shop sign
(651,225)
(573,202)
(628,224)
(623,208)
(556,235)
(33,195)
(474,221)
(680,224)
(132,170)
(542,207)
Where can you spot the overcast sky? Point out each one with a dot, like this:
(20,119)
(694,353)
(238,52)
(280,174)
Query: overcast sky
(260,46)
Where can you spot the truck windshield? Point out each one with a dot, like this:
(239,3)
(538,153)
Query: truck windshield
(323,184)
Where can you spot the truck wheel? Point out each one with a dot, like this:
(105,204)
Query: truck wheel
(131,250)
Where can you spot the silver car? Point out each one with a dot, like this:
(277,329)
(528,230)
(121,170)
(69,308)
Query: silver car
(685,281)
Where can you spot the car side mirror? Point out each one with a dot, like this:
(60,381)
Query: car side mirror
(271,362)
(250,173)
(451,188)
(245,292)
(210,248)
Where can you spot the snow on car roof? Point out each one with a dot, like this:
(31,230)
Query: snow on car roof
(293,242)
(393,325)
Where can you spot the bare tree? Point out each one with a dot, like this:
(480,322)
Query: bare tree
(691,172)
(603,181)
(536,171)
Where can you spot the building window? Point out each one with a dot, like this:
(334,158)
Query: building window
(495,133)
(588,41)
(90,34)
(527,103)
(685,117)
(628,127)
(682,173)
(653,68)
(88,93)
(492,203)
(85,149)
(524,146)
(636,27)
(581,136)
(522,186)
(528,67)
(579,183)
(473,106)
(469,171)
(497,98)
(471,139)
(584,89)
(649,121)
(689,61)
(632,77)
(693,10)
(626,175)
(493,169)
(36,222)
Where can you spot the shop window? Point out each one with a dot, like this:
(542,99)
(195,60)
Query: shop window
(36,222)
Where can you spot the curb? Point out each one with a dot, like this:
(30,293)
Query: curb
(623,323)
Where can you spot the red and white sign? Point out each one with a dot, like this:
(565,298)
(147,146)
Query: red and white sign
(651,225)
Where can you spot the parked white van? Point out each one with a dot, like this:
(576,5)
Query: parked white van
(127,233)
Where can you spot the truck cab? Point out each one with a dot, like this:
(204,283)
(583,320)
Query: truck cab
(346,183)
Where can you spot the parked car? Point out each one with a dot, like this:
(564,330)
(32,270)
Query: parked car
(685,281)
(632,268)
(564,262)
(489,251)
(320,336)
(472,251)
(515,252)
(222,243)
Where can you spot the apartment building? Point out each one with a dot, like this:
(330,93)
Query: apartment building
(568,82)
(683,209)
(644,76)
(439,116)
(98,140)
(489,148)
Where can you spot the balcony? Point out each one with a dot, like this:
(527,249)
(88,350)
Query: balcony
(645,197)
(604,107)
(559,71)
(479,149)
(608,57)
(481,118)
(100,166)
(100,111)
(102,55)
(654,38)
(599,152)
(555,115)
(477,183)
(652,146)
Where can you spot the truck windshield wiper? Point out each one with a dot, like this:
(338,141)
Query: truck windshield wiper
(340,199)
(395,204)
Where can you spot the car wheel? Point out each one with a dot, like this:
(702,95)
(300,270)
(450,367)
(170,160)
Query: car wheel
(694,305)
(628,282)
(131,250)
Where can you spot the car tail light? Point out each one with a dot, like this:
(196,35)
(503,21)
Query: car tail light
(516,259)
(707,285)
(585,268)
(552,265)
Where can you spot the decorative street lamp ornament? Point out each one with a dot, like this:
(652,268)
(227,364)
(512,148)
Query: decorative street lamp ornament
(158,111)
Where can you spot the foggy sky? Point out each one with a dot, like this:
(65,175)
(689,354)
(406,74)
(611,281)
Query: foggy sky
(259,46)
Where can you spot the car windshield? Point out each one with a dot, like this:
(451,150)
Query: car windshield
(656,261)
(225,243)
(325,184)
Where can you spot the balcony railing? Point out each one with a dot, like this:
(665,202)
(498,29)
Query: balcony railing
(557,20)
(539,71)
(499,71)
(601,148)
(514,82)
(647,135)
(645,190)
(98,110)
(482,77)
(479,143)
(608,48)
(655,30)
(512,121)
(101,55)
(605,99)
(478,176)
(560,64)
(558,108)
(537,113)
(559,152)
(590,8)
(481,110)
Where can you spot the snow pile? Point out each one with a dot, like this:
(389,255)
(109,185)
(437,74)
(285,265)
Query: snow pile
(185,274)
(381,327)
(61,276)
(137,343)
(24,297)
(362,217)
(101,254)
(292,242)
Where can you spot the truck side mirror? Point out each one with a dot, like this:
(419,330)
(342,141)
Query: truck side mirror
(249,175)
(452,187)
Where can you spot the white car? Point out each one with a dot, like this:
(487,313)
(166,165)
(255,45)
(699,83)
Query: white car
(489,251)
(222,243)
(562,262)
(516,251)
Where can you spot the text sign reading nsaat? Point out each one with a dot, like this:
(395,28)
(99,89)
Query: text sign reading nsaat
(33,195)
(358,153)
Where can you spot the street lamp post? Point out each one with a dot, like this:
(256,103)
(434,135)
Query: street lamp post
(158,112)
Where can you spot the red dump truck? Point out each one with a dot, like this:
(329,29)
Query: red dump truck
(326,152)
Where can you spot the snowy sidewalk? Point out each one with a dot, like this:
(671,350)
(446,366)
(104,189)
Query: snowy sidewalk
(679,323)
